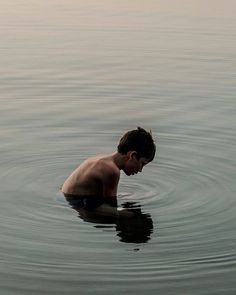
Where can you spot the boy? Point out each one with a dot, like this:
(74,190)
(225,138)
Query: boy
(96,180)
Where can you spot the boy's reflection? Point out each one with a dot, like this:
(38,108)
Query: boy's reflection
(132,225)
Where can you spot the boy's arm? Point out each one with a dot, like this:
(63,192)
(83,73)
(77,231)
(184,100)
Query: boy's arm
(110,183)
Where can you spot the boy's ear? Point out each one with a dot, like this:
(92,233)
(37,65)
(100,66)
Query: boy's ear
(132,154)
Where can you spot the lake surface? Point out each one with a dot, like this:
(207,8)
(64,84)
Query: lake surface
(74,76)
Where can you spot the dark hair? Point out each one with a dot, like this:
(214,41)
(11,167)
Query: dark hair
(138,140)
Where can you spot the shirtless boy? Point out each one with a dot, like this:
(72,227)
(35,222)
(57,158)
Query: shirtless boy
(97,178)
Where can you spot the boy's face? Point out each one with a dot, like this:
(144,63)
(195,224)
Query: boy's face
(133,165)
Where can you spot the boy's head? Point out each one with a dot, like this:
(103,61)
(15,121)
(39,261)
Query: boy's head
(140,141)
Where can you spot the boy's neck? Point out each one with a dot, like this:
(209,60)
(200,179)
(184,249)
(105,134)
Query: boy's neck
(119,159)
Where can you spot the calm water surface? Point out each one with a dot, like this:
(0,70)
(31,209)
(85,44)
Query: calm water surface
(74,76)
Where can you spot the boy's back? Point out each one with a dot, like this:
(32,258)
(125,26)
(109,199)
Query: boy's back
(96,176)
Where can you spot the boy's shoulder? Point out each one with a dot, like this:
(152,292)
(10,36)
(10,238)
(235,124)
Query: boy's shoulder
(106,165)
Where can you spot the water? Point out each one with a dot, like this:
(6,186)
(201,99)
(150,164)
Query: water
(74,77)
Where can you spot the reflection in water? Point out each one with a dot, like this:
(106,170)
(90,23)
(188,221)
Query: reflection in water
(131,224)
(137,229)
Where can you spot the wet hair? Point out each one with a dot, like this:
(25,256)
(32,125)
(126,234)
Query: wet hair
(138,140)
